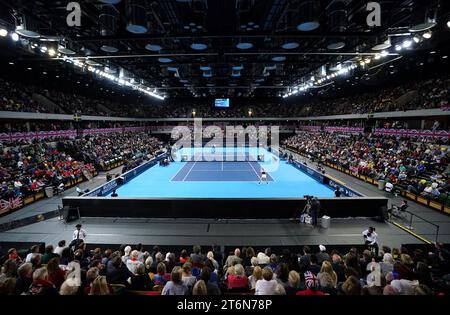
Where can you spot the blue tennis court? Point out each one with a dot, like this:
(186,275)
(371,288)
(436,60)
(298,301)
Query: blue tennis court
(199,177)
(220,171)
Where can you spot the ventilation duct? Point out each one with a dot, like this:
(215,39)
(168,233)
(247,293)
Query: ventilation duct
(110,1)
(136,17)
(27,27)
(308,16)
(107,18)
(337,24)
(423,19)
(108,26)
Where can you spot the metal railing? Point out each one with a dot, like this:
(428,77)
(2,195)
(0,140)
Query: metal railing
(416,223)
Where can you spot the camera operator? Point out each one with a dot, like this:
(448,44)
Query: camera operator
(315,209)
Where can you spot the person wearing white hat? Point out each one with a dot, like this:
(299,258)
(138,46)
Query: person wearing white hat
(263,259)
(322,255)
(127,251)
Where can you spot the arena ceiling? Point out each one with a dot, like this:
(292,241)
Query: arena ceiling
(222,48)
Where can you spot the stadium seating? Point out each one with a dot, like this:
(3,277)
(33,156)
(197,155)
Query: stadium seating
(410,270)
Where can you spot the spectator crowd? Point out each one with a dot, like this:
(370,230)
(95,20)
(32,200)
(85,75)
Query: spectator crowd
(423,94)
(76,270)
(28,166)
(420,166)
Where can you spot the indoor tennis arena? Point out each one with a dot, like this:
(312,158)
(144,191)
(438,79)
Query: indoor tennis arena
(225,150)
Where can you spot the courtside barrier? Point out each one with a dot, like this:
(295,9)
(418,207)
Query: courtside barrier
(12,204)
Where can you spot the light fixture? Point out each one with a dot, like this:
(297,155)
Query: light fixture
(15,36)
(335,44)
(384,45)
(279,58)
(416,39)
(398,47)
(43,49)
(427,35)
(448,24)
(11,63)
(377,57)
(407,43)
(164,60)
(64,50)
(3,32)
(153,47)
(244,45)
(199,46)
(291,45)
(109,48)
(51,52)
(29,68)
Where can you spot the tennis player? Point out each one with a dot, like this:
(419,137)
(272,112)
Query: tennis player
(263,177)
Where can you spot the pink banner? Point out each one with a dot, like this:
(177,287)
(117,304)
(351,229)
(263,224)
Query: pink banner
(414,133)
(10,204)
(386,132)
(4,137)
(37,135)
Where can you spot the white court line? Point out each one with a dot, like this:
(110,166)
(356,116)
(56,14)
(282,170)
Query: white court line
(184,179)
(254,170)
(222,171)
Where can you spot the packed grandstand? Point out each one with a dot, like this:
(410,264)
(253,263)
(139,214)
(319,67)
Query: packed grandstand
(107,182)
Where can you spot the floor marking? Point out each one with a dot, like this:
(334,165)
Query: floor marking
(412,233)
(257,176)
(184,179)
(222,171)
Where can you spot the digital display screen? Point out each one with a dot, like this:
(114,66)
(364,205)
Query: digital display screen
(222,102)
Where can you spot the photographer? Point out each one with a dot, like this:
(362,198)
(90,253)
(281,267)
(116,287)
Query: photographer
(370,239)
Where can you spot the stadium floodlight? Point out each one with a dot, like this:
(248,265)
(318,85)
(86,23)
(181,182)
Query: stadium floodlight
(448,23)
(384,53)
(427,35)
(407,43)
(398,47)
(416,39)
(51,52)
(3,32)
(15,36)
(44,49)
